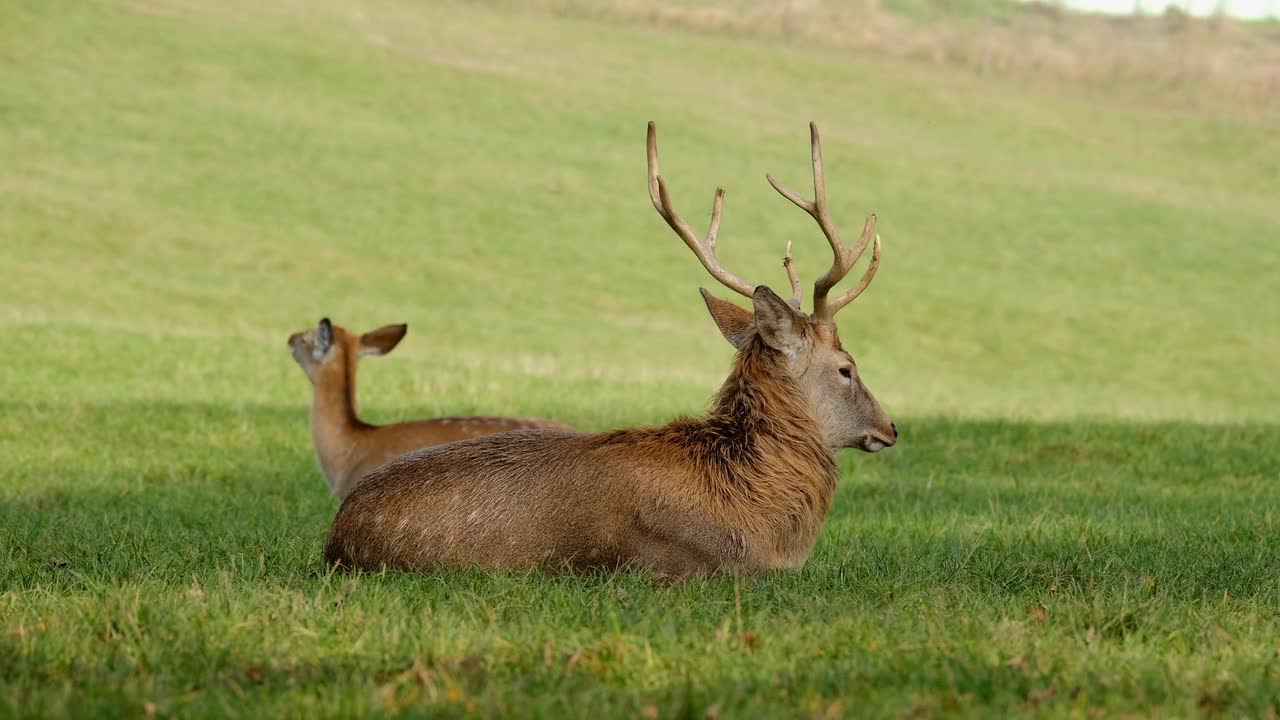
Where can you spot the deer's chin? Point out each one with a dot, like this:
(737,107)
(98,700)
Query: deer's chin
(872,444)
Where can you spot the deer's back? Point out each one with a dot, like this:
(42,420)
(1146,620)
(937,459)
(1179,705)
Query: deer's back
(502,501)
(377,445)
(528,499)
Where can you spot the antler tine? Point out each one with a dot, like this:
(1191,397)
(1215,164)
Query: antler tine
(704,249)
(790,265)
(844,258)
(834,306)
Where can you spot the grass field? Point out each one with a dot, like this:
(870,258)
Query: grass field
(1076,328)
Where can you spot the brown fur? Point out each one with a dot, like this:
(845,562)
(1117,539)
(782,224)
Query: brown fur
(349,448)
(744,488)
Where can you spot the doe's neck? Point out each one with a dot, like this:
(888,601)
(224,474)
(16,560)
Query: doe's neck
(333,404)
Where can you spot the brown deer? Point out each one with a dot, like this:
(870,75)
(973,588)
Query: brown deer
(349,448)
(744,488)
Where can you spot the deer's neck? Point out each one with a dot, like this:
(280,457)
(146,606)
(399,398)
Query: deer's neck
(335,426)
(761,459)
(761,443)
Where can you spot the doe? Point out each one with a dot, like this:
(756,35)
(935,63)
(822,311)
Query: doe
(744,488)
(347,447)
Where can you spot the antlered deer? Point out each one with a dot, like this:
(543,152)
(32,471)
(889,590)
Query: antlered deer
(349,448)
(744,488)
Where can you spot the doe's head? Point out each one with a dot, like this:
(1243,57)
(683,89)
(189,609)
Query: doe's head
(846,411)
(325,351)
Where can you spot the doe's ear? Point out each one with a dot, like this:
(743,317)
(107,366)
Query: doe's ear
(383,340)
(324,338)
(776,321)
(734,322)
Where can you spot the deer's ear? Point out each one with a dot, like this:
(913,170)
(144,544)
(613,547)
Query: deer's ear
(776,321)
(324,338)
(734,322)
(383,340)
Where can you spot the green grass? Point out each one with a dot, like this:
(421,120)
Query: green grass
(1075,328)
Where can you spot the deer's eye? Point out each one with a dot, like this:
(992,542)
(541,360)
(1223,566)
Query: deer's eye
(846,373)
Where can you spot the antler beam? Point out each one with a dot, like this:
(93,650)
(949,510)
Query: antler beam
(844,258)
(705,248)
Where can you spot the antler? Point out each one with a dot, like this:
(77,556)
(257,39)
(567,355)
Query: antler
(845,258)
(705,248)
(790,265)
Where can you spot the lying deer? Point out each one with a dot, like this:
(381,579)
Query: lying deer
(349,448)
(744,488)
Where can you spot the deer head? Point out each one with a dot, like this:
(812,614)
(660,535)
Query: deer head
(325,352)
(845,410)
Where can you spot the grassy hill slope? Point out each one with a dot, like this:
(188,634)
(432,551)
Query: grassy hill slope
(1075,327)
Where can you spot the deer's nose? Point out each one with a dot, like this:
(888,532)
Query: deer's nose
(894,426)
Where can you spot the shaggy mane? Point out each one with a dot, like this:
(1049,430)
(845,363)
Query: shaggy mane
(758,446)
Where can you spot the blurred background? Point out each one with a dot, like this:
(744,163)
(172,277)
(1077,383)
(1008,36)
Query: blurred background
(1078,210)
